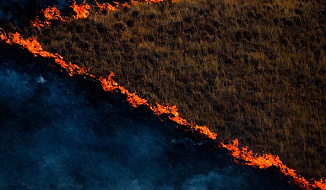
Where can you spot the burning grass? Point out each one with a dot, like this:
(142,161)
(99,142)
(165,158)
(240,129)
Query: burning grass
(249,70)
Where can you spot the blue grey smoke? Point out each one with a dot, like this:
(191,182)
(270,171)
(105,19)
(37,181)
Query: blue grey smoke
(55,133)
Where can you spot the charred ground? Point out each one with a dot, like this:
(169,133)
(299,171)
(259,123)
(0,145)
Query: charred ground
(252,70)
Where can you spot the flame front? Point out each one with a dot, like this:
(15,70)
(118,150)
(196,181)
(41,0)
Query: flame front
(35,48)
(52,13)
(263,162)
(108,84)
(267,160)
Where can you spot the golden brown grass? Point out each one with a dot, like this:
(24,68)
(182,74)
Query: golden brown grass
(253,70)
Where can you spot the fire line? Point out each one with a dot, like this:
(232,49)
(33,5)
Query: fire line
(108,84)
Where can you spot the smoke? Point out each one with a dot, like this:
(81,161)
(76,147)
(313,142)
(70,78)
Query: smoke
(56,133)
(220,179)
(18,87)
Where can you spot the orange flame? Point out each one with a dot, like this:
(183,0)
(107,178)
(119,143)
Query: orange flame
(105,6)
(267,160)
(108,84)
(35,48)
(108,7)
(52,13)
(37,23)
(81,10)
(321,184)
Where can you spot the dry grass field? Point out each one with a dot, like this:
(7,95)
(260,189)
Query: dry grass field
(248,69)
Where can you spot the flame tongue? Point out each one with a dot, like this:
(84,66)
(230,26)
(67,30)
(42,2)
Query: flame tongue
(105,6)
(37,23)
(81,10)
(52,13)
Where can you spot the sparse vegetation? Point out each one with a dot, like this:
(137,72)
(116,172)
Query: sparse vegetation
(253,70)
